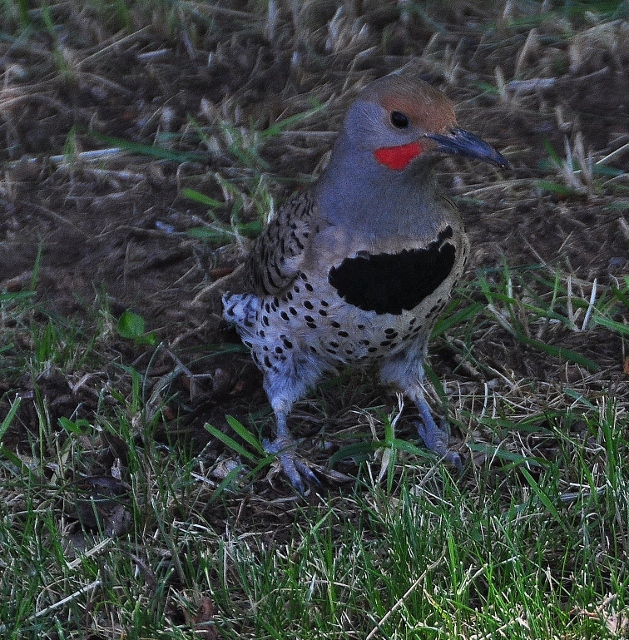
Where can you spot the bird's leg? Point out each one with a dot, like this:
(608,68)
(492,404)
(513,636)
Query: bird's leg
(406,372)
(284,384)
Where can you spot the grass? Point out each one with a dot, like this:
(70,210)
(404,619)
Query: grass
(525,557)
(114,525)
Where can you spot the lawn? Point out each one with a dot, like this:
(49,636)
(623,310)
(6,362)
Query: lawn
(144,145)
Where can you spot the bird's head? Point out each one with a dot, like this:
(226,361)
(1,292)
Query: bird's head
(400,118)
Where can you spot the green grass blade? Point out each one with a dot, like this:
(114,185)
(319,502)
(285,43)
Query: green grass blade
(150,150)
(18,464)
(619,327)
(544,499)
(231,443)
(456,319)
(508,456)
(8,419)
(245,434)
(358,451)
(228,482)
(560,352)
(201,198)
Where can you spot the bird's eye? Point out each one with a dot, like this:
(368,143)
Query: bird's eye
(399,120)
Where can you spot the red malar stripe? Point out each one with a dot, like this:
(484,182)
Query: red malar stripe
(397,157)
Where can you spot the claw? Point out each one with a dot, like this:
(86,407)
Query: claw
(295,470)
(436,437)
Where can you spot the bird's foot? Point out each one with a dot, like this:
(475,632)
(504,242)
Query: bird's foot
(436,439)
(296,471)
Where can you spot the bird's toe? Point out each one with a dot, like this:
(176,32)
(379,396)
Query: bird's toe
(297,471)
(436,440)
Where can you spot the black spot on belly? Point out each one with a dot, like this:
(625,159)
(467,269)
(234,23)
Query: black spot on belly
(390,283)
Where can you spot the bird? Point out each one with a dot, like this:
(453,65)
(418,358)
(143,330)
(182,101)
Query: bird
(355,270)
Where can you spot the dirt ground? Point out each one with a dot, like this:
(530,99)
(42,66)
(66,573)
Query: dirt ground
(117,226)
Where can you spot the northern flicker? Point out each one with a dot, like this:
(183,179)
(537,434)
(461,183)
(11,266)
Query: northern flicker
(355,270)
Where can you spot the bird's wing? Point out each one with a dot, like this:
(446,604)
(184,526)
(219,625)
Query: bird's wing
(278,253)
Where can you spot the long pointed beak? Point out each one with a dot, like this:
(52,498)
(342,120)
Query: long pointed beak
(463,143)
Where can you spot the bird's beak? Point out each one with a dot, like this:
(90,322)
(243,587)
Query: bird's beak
(463,143)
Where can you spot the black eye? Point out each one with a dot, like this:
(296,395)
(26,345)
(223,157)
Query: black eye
(399,120)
